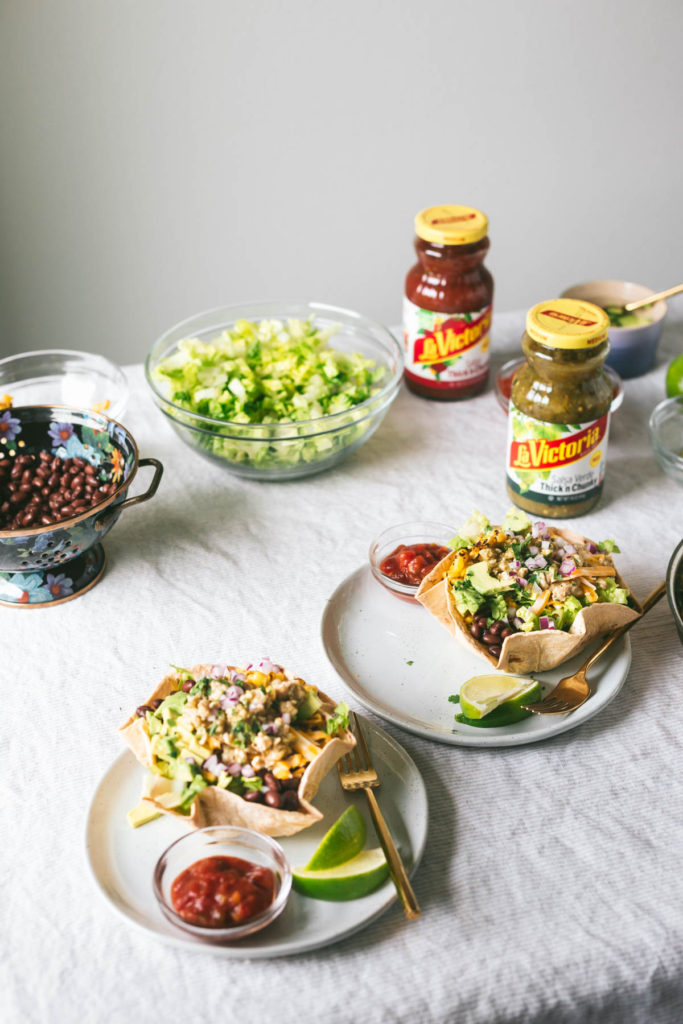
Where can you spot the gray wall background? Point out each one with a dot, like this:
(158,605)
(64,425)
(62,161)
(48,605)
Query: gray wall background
(160,157)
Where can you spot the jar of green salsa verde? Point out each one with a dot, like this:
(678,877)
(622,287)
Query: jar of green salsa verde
(559,410)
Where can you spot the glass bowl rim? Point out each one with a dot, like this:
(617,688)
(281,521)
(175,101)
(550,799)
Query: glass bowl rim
(281,865)
(387,390)
(654,423)
(119,375)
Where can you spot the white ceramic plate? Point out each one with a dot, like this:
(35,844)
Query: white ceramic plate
(399,662)
(122,859)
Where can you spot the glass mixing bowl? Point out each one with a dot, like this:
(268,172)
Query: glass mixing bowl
(80,380)
(666,436)
(281,450)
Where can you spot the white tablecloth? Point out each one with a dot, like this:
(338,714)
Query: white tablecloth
(552,882)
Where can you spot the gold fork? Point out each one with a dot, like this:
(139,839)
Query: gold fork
(573,691)
(365,777)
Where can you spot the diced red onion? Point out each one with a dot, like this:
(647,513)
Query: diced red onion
(248,772)
(234,693)
(522,582)
(235,768)
(266,665)
(269,728)
(538,529)
(286,718)
(569,549)
(515,563)
(533,550)
(551,625)
(530,563)
(190,759)
(592,548)
(544,622)
(213,765)
(567,567)
(218,670)
(541,562)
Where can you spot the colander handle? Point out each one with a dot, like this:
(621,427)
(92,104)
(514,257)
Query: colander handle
(105,520)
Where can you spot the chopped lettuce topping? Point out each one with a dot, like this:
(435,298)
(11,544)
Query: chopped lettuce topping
(469,531)
(609,591)
(568,612)
(466,598)
(526,576)
(498,608)
(269,374)
(339,719)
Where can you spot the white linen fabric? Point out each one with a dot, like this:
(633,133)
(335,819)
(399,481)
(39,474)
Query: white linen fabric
(552,882)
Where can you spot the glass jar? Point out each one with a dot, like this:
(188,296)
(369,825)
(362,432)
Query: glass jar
(559,410)
(448,304)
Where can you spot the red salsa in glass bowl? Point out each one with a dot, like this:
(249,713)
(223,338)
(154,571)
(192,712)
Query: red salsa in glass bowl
(222,883)
(401,556)
(220,892)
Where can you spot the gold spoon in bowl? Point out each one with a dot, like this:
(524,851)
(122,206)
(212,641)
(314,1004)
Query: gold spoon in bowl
(649,300)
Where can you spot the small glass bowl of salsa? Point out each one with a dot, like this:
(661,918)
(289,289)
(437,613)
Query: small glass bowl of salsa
(401,556)
(222,883)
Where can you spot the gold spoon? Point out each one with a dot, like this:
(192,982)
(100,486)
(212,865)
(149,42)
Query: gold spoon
(650,299)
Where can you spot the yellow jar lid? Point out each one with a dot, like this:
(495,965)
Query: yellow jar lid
(451,225)
(567,323)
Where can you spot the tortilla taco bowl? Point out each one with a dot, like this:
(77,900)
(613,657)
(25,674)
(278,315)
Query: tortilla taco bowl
(525,652)
(221,750)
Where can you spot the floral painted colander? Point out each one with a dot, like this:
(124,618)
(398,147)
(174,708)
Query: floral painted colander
(45,565)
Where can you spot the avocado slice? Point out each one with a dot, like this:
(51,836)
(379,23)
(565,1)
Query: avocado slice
(516,521)
(308,707)
(172,705)
(482,581)
(142,813)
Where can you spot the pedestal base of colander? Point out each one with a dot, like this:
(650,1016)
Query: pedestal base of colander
(47,587)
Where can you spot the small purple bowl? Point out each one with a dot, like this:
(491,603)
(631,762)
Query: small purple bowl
(632,349)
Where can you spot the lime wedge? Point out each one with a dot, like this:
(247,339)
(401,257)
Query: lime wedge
(674,377)
(344,840)
(481,695)
(349,881)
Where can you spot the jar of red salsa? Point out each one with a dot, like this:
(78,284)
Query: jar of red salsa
(448,305)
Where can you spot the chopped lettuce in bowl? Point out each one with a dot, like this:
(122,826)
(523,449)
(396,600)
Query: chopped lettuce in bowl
(275,391)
